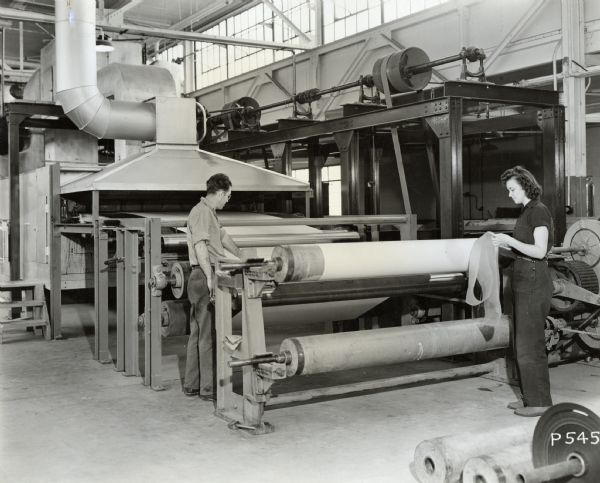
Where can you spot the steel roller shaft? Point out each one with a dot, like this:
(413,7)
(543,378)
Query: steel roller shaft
(408,70)
(351,350)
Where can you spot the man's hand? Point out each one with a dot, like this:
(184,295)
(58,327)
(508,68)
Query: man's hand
(222,274)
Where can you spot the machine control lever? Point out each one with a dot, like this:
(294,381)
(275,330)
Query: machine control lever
(115,260)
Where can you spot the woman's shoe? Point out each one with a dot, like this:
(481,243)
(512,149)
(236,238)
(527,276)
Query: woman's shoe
(531,411)
(516,404)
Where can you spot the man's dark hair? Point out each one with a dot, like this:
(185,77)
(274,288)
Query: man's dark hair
(532,188)
(218,182)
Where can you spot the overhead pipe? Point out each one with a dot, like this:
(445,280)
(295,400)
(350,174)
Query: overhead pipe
(76,85)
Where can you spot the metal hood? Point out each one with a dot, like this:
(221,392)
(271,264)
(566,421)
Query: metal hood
(181,168)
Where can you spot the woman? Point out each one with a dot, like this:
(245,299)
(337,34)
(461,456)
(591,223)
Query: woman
(531,288)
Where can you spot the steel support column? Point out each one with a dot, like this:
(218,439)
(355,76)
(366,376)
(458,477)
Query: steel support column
(14,234)
(316,161)
(374,183)
(253,343)
(152,308)
(348,144)
(120,278)
(552,123)
(433,171)
(451,182)
(55,236)
(227,400)
(131,294)
(101,353)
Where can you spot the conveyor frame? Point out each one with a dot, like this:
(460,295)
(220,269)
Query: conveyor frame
(443,113)
(246,410)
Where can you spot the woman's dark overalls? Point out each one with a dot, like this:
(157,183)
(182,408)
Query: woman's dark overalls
(532,291)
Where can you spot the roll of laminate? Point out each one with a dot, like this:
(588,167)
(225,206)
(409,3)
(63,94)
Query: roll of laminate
(337,261)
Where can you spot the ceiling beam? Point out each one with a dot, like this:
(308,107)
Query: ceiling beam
(208,17)
(287,21)
(13,14)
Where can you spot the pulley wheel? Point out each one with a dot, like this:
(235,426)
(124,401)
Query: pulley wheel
(180,274)
(175,315)
(590,341)
(566,431)
(585,234)
(245,114)
(577,272)
(398,73)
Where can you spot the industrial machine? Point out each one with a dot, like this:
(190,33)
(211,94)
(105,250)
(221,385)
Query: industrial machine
(122,225)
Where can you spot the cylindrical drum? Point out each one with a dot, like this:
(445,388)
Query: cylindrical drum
(502,466)
(175,316)
(338,261)
(241,113)
(173,241)
(441,460)
(351,350)
(396,67)
(180,274)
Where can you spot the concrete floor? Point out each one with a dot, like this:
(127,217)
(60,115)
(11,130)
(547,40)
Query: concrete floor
(67,418)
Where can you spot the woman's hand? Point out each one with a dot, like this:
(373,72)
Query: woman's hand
(502,240)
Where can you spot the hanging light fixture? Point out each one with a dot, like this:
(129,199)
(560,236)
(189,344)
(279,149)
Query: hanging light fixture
(104,43)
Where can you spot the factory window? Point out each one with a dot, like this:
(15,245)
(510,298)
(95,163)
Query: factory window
(215,63)
(332,175)
(342,18)
(211,59)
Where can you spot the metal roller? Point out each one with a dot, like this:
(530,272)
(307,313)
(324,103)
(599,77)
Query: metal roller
(351,350)
(173,241)
(175,316)
(398,70)
(367,260)
(180,274)
(503,466)
(441,460)
(241,113)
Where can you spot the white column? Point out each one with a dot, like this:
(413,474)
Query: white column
(572,24)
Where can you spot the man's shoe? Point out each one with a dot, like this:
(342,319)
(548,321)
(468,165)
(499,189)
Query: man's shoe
(516,404)
(531,411)
(188,391)
(207,397)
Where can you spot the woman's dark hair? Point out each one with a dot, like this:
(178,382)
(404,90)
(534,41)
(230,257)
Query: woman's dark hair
(532,188)
(218,182)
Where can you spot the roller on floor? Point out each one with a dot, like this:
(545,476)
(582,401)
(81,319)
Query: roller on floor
(351,350)
(441,460)
(502,466)
(174,318)
(340,261)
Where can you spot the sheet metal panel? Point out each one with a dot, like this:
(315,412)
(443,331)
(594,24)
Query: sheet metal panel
(181,168)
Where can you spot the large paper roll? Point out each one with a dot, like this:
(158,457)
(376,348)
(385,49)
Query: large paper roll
(340,261)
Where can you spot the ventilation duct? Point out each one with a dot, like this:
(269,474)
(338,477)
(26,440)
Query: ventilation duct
(76,85)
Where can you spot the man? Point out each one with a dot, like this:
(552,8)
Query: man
(206,241)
